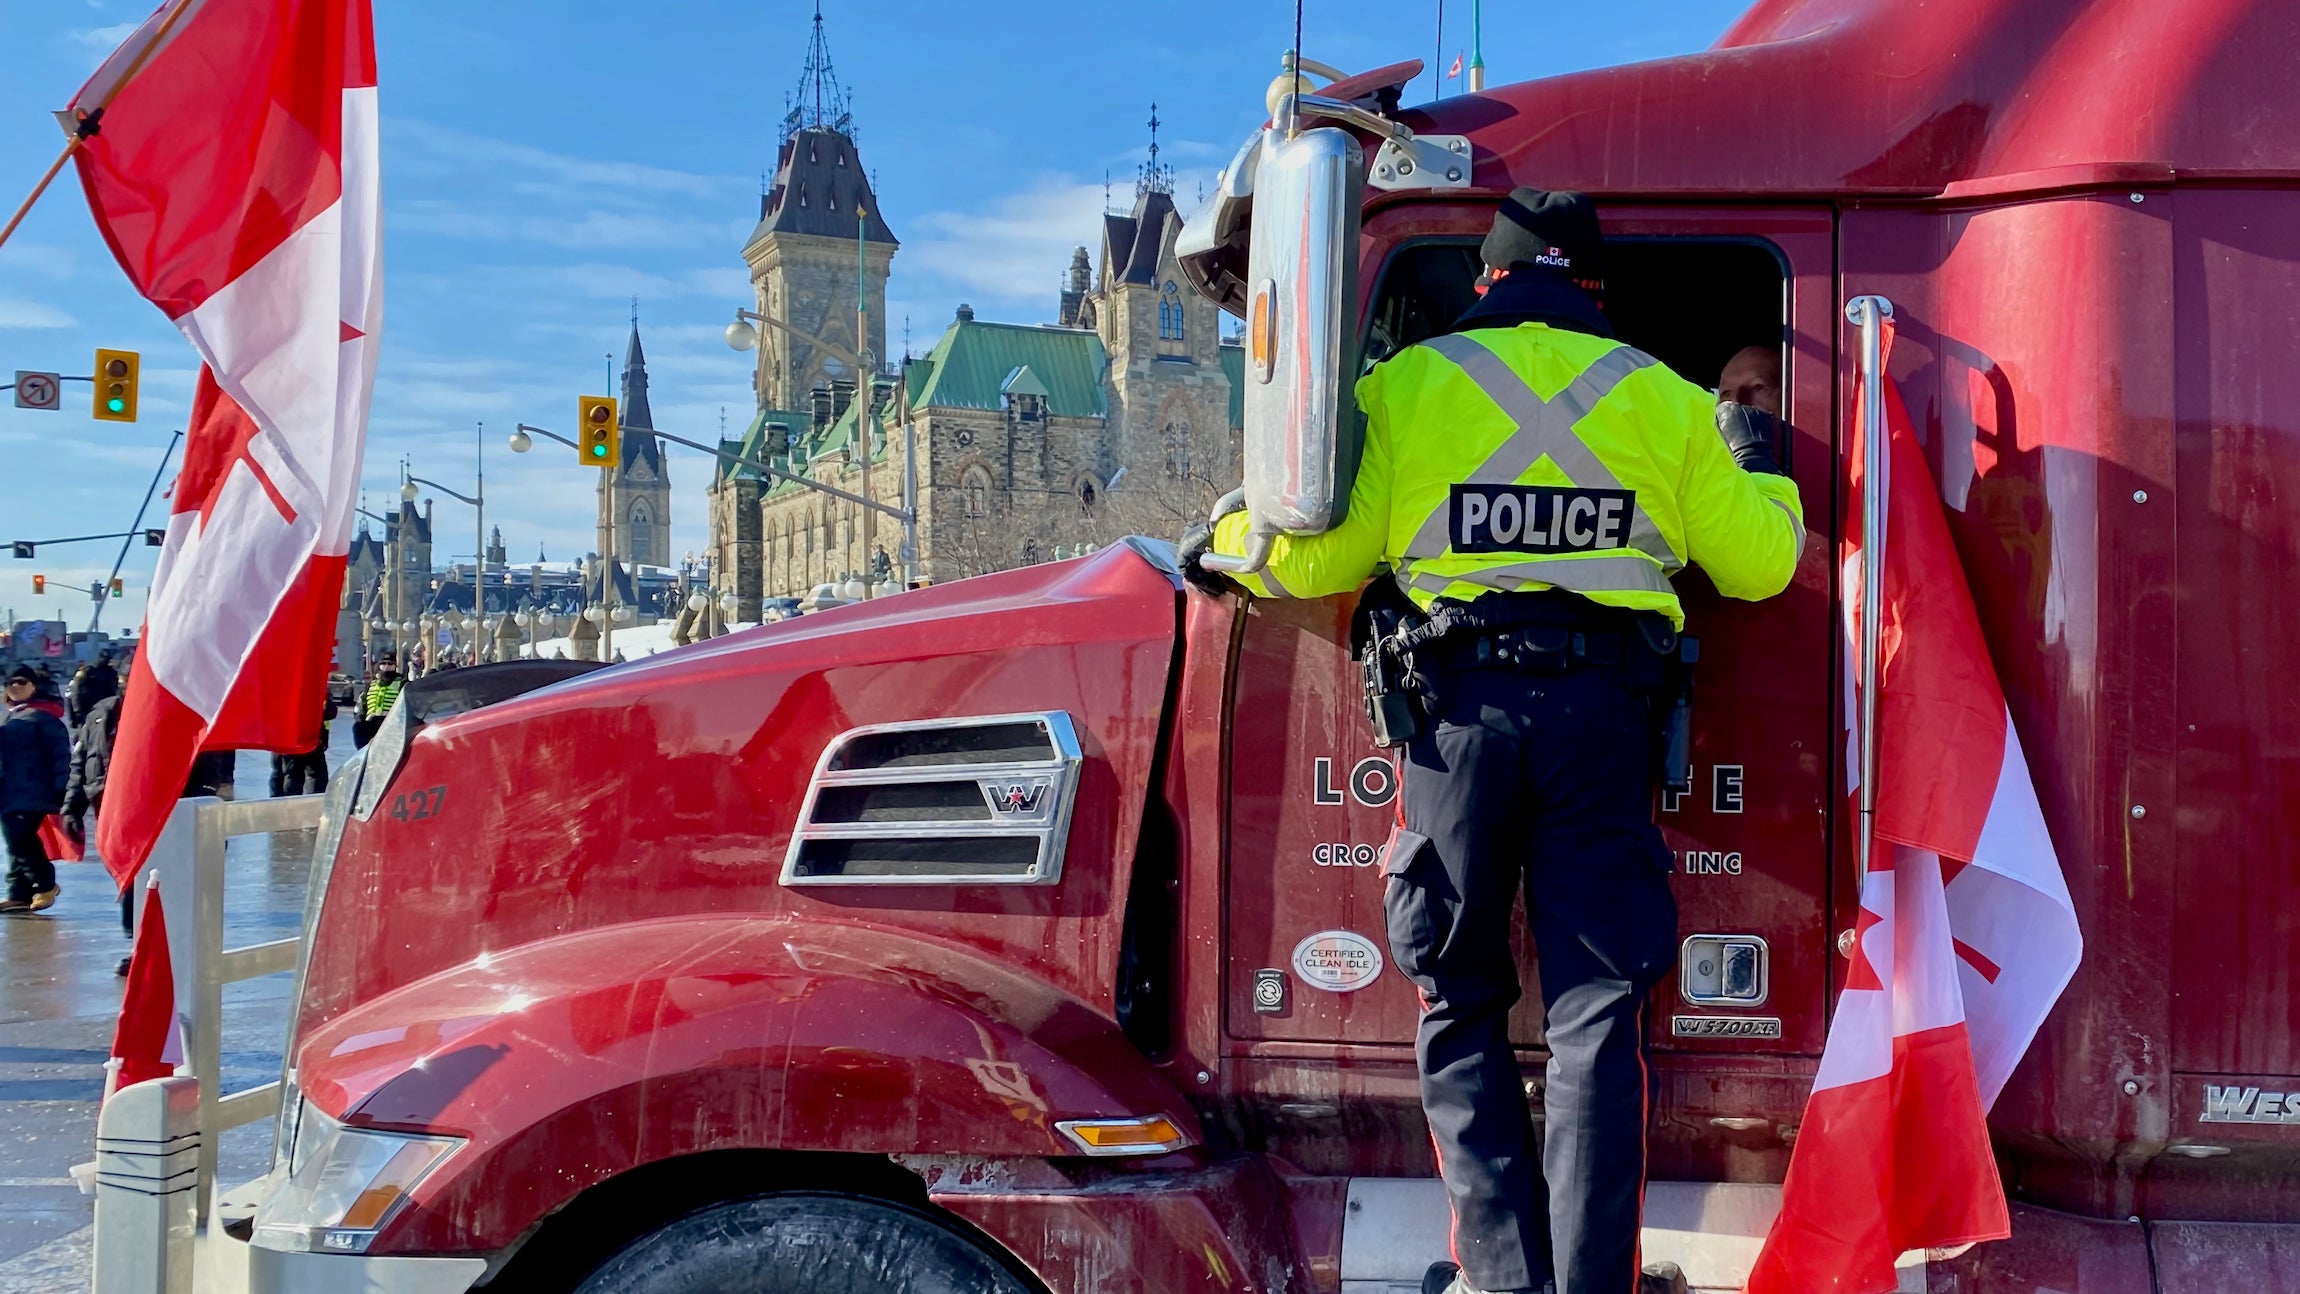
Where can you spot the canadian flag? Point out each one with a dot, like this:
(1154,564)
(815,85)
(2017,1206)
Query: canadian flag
(1455,70)
(231,166)
(1965,937)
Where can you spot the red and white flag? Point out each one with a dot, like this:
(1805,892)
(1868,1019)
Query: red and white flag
(1965,937)
(233,173)
(1455,70)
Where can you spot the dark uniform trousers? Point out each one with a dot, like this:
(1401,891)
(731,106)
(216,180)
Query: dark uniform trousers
(1544,779)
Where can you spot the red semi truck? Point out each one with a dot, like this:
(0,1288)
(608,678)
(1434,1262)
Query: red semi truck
(1025,933)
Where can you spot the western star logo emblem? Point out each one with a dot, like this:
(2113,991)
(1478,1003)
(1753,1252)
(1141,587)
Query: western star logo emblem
(1539,519)
(2249,1105)
(1015,797)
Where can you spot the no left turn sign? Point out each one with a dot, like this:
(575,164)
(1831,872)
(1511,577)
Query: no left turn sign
(37,390)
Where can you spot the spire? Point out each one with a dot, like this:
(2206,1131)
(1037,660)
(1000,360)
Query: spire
(1150,177)
(635,411)
(819,103)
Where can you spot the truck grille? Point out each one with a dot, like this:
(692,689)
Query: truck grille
(975,801)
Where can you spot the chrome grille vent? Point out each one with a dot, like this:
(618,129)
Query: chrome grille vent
(977,801)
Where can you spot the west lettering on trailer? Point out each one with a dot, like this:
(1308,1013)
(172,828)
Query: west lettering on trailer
(2234,1104)
(1539,519)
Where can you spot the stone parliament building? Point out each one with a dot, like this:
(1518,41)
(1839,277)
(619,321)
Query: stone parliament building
(1119,417)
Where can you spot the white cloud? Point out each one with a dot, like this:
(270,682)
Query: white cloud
(422,147)
(101,41)
(33,314)
(1015,246)
(45,260)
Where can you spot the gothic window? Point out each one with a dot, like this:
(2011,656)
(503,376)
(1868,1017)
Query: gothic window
(1089,494)
(833,199)
(976,487)
(1170,317)
(642,542)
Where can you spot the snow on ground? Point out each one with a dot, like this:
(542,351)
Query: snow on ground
(633,641)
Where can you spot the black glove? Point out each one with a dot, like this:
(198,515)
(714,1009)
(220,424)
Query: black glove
(1197,541)
(1751,433)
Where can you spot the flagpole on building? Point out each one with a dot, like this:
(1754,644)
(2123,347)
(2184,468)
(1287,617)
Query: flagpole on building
(90,121)
(1868,314)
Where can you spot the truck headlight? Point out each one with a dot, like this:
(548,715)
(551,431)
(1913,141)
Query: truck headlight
(342,1183)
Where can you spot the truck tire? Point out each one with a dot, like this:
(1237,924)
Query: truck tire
(803,1243)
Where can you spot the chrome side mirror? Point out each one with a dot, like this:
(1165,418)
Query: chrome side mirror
(1301,288)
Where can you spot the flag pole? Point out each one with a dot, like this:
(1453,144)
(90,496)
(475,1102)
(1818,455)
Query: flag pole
(1868,314)
(90,122)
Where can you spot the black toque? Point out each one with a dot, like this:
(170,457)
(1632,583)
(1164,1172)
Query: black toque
(1538,229)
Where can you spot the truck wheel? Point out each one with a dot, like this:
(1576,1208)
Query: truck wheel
(803,1244)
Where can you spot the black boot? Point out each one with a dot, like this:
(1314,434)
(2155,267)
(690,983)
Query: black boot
(1445,1278)
(1661,1278)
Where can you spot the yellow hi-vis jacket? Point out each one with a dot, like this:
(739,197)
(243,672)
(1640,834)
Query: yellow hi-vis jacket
(1534,457)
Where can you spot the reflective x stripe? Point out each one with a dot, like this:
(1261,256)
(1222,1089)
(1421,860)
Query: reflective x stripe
(1543,427)
(1797,524)
(1625,574)
(1269,579)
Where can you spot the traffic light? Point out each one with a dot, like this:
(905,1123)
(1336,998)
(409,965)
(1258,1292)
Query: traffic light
(39,584)
(119,586)
(598,432)
(118,374)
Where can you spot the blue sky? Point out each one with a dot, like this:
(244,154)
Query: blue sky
(546,160)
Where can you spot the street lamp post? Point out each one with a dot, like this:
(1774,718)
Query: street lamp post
(742,336)
(478,501)
(521,442)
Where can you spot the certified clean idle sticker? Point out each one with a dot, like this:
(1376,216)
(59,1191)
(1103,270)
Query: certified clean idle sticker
(1338,961)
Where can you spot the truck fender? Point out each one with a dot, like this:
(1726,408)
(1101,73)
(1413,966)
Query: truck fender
(568,1061)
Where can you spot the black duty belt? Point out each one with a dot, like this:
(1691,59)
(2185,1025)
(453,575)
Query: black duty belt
(1538,648)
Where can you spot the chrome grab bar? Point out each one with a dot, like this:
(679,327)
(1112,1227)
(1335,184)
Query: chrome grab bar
(1258,542)
(1868,315)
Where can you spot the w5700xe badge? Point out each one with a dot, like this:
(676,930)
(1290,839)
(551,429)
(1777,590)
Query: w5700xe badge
(1539,519)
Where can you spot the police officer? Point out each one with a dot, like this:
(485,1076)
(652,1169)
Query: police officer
(1532,484)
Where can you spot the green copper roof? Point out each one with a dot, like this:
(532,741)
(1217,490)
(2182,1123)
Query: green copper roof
(1234,368)
(969,368)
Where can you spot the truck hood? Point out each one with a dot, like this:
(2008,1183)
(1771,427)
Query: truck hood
(670,786)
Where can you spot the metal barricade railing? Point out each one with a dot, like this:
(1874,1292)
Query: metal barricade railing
(189,861)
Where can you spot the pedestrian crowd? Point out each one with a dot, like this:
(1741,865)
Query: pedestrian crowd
(56,758)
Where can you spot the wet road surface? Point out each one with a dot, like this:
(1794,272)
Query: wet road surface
(59,998)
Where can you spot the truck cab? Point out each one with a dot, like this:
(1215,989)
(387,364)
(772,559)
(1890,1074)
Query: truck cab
(1027,930)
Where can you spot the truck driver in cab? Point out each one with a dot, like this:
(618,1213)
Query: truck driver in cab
(1531,484)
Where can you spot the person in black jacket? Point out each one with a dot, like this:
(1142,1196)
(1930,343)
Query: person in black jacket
(91,685)
(91,769)
(35,768)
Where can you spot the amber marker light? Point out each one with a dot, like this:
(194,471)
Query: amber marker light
(1150,1134)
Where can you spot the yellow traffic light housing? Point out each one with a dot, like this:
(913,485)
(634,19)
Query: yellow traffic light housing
(119,586)
(39,584)
(598,431)
(118,375)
